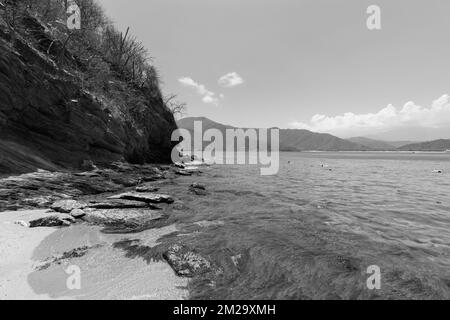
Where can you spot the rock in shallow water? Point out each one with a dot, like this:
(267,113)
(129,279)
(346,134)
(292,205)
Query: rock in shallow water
(120,204)
(183,173)
(185,262)
(198,189)
(53,221)
(144,197)
(198,186)
(146,188)
(124,217)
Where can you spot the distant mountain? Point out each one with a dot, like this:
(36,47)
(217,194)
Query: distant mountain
(436,145)
(290,139)
(398,144)
(412,133)
(304,140)
(373,144)
(188,124)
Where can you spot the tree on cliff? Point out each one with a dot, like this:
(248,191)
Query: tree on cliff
(102,51)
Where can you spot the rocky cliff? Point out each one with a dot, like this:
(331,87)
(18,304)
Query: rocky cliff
(49,120)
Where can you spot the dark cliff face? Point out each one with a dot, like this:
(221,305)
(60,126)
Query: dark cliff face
(48,121)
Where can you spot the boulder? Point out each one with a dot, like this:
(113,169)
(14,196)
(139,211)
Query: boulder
(77,213)
(60,220)
(185,262)
(144,197)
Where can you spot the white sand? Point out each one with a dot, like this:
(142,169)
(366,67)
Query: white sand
(107,273)
(16,248)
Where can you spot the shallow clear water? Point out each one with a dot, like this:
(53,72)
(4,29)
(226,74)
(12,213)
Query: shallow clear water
(309,232)
(388,197)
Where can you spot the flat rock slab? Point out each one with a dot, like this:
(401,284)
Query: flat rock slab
(87,174)
(120,204)
(60,220)
(40,202)
(144,197)
(152,178)
(146,188)
(185,262)
(67,206)
(126,181)
(122,216)
(183,173)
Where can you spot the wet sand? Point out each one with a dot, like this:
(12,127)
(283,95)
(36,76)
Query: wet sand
(105,272)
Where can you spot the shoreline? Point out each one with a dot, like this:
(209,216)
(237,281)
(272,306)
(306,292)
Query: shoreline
(34,261)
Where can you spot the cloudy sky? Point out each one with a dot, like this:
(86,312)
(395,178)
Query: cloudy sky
(309,64)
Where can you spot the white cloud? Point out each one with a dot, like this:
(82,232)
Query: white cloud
(230,80)
(208,97)
(410,116)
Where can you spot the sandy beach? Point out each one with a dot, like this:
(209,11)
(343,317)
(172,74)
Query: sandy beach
(106,272)
(17,244)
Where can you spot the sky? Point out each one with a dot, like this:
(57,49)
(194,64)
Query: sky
(310,64)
